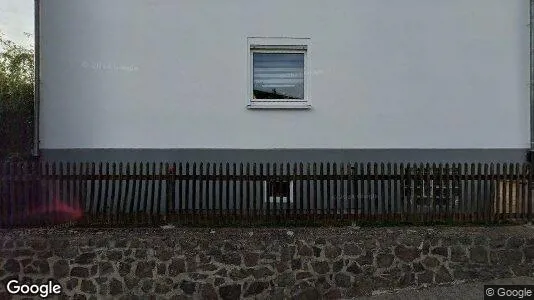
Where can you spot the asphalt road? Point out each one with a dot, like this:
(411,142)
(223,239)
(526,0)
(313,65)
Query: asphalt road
(464,291)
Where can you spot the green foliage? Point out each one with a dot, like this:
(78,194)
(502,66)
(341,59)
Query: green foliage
(16,99)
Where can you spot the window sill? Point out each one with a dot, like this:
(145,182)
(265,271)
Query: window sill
(279,105)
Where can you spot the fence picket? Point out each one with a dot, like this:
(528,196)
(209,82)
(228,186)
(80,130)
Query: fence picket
(321,191)
(335,196)
(241,192)
(207,208)
(530,206)
(213,211)
(234,190)
(159,191)
(315,195)
(309,211)
(146,193)
(390,213)
(429,185)
(118,201)
(3,194)
(136,192)
(395,197)
(254,191)
(187,210)
(268,191)
(100,190)
(31,179)
(411,179)
(60,195)
(524,191)
(413,171)
(421,170)
(6,213)
(16,201)
(517,184)
(179,196)
(23,186)
(22,195)
(295,173)
(510,183)
(275,183)
(221,188)
(194,200)
(152,192)
(301,191)
(455,191)
(491,197)
(502,192)
(123,200)
(30,190)
(27,187)
(367,196)
(478,193)
(263,192)
(472,195)
(105,191)
(112,197)
(91,191)
(171,208)
(355,191)
(283,179)
(328,192)
(404,203)
(486,202)
(248,191)
(462,193)
(201,177)
(383,211)
(287,208)
(447,186)
(496,203)
(347,208)
(375,181)
(133,214)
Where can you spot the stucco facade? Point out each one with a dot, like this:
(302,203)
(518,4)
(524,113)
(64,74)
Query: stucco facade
(387,80)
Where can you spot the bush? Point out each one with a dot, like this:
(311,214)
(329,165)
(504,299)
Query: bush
(16,100)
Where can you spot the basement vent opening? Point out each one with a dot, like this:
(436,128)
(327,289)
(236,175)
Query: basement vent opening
(279,192)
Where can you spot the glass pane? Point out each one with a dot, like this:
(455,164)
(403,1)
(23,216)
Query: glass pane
(278,75)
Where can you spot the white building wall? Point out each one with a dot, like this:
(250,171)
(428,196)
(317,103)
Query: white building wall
(384,74)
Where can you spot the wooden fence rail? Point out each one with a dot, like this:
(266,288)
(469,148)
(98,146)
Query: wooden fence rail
(98,193)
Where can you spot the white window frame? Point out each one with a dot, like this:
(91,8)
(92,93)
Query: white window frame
(278,45)
(278,200)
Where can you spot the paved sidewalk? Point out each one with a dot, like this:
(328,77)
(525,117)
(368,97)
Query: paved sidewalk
(464,291)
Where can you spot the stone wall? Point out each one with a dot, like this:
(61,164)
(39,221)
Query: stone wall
(304,263)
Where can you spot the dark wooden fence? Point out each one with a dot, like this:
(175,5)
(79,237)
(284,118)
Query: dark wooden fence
(94,194)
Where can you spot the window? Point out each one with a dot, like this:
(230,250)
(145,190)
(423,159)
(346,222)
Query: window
(278,70)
